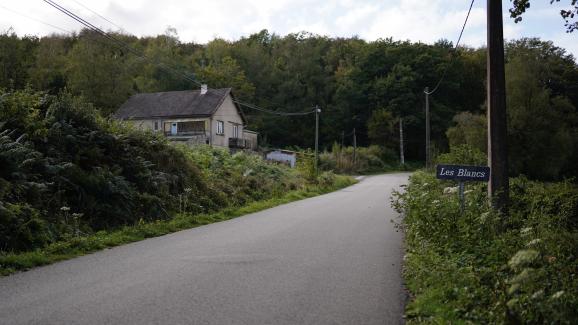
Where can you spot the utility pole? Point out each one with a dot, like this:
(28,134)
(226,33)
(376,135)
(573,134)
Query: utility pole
(317,111)
(427,128)
(354,146)
(498,187)
(401,155)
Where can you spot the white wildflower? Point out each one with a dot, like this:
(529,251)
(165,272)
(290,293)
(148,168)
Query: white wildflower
(484,216)
(522,258)
(537,294)
(525,231)
(65,209)
(533,242)
(450,190)
(558,294)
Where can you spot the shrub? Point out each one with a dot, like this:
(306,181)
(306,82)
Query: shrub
(477,267)
(463,154)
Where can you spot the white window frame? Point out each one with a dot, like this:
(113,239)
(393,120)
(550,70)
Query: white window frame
(156,125)
(235,130)
(220,127)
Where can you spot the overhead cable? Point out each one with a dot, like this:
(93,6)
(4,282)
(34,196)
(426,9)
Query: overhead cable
(455,48)
(119,42)
(257,108)
(35,19)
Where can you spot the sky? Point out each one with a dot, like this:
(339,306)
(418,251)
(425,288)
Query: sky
(201,21)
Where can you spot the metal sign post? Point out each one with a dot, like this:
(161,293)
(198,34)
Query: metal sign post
(461,195)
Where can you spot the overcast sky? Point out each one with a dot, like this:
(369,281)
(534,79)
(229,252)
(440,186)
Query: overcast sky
(201,21)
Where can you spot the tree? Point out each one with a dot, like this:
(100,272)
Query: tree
(470,129)
(540,135)
(98,71)
(227,73)
(381,128)
(520,7)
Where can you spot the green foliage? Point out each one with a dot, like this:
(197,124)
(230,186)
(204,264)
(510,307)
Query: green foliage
(470,129)
(381,128)
(372,159)
(66,171)
(539,123)
(475,267)
(78,245)
(366,85)
(464,155)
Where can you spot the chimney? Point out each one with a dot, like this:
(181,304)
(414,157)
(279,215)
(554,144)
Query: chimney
(203,89)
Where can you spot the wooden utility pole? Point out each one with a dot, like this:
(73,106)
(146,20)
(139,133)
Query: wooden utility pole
(498,187)
(427,129)
(354,146)
(317,111)
(401,155)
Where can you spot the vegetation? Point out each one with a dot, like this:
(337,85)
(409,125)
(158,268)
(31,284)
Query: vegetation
(480,267)
(79,245)
(69,173)
(358,84)
(365,160)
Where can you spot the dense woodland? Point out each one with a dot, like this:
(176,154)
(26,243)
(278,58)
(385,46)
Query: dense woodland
(358,84)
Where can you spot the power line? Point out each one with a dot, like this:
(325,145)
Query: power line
(99,15)
(35,19)
(455,48)
(119,42)
(257,108)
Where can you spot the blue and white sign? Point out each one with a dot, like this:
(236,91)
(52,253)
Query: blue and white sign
(463,173)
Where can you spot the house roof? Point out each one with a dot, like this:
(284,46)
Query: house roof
(186,103)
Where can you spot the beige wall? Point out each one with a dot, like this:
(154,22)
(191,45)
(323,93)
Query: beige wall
(252,137)
(227,113)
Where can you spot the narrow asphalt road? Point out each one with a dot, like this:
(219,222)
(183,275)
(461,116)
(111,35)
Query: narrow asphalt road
(332,259)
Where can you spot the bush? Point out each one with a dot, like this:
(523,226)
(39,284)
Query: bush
(370,159)
(476,267)
(463,154)
(67,171)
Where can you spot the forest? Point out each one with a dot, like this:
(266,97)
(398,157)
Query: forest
(363,85)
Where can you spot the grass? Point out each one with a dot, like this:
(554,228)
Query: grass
(77,246)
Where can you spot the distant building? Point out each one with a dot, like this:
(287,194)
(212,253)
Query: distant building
(205,116)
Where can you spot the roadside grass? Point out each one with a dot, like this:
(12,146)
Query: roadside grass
(81,245)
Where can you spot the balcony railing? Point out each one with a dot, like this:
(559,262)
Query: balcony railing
(185,134)
(237,143)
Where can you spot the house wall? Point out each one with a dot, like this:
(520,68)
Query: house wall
(227,113)
(252,137)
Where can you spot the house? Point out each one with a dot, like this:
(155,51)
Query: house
(205,116)
(283,156)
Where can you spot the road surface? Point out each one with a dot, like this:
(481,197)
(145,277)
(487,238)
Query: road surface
(332,259)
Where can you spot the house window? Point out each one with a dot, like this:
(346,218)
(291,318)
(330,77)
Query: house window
(220,127)
(156,126)
(235,130)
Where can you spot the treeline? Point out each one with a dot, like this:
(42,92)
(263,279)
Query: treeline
(358,84)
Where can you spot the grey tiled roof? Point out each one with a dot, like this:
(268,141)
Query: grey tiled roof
(186,103)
